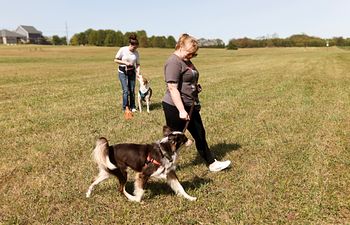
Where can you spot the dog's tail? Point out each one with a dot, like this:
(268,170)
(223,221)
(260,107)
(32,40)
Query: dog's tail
(100,154)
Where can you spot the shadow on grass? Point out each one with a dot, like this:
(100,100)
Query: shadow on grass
(219,150)
(154,106)
(159,187)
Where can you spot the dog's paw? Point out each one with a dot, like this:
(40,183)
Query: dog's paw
(192,198)
(135,200)
(88,194)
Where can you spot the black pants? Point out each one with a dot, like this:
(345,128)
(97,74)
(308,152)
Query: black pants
(195,127)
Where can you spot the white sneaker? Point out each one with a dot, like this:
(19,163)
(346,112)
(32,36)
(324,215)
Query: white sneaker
(217,166)
(134,110)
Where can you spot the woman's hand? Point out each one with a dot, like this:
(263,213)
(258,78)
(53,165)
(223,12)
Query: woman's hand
(175,96)
(128,63)
(184,115)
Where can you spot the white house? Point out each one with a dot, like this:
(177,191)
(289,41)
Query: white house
(31,34)
(10,37)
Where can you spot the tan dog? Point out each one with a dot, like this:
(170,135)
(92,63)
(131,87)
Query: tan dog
(145,92)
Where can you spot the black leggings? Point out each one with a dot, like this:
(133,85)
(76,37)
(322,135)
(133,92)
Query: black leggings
(195,127)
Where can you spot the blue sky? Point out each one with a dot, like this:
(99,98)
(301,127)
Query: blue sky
(224,19)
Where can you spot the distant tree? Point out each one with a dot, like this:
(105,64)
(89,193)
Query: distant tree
(56,40)
(92,38)
(74,40)
(220,43)
(64,40)
(231,45)
(170,42)
(45,41)
(83,38)
(211,43)
(101,36)
(339,41)
(316,42)
(126,37)
(142,37)
(159,42)
(299,40)
(245,43)
(143,40)
(111,38)
(120,39)
(151,41)
(87,34)
(347,42)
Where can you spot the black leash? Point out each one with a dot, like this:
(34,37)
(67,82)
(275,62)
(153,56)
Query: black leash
(189,115)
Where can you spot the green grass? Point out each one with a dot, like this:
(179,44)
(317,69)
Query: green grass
(280,115)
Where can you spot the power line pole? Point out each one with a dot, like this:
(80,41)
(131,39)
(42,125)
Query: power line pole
(67,33)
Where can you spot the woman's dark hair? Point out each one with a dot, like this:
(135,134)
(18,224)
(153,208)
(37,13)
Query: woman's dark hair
(133,39)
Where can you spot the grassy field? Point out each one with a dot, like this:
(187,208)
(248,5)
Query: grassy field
(280,115)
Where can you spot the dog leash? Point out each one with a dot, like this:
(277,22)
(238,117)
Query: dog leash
(189,115)
(193,100)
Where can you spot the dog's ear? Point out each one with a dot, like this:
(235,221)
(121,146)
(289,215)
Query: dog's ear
(145,81)
(166,131)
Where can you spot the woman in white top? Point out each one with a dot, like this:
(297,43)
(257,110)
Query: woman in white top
(129,67)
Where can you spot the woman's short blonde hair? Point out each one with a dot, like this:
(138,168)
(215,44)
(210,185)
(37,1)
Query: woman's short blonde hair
(188,42)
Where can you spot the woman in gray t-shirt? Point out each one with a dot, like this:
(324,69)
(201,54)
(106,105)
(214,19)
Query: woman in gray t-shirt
(181,77)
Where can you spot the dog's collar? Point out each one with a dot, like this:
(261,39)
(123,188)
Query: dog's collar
(151,160)
(143,94)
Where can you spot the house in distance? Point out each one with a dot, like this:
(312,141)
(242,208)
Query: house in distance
(22,35)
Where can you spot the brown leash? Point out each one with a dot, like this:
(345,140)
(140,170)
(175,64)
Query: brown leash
(189,115)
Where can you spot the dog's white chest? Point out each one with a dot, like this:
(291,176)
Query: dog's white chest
(144,89)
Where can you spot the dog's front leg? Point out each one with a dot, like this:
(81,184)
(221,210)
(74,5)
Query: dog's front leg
(147,103)
(122,176)
(138,189)
(174,183)
(139,184)
(139,101)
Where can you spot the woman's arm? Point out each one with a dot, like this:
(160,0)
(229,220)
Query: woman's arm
(176,97)
(121,62)
(138,68)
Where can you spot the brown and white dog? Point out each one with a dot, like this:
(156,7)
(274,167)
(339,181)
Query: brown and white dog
(148,160)
(145,92)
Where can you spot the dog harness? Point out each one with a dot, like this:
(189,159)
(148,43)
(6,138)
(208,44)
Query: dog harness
(143,95)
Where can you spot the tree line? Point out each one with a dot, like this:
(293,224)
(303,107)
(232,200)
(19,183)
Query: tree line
(117,38)
(297,40)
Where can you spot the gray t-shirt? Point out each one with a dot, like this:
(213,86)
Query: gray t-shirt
(185,74)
